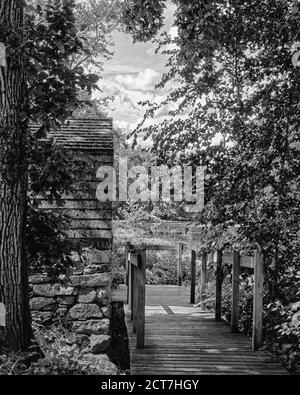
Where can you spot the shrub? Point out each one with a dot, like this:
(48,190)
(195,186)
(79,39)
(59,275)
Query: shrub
(47,247)
(22,364)
(245,305)
(282,325)
(281,318)
(161,268)
(118,267)
(283,333)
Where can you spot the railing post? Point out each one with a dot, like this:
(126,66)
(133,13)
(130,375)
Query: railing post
(235,292)
(134,298)
(219,279)
(193,277)
(140,296)
(258,301)
(179,264)
(130,287)
(127,249)
(203,280)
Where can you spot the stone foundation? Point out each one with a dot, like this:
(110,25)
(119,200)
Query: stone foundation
(79,301)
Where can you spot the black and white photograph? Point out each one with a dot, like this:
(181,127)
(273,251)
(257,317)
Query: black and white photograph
(149,191)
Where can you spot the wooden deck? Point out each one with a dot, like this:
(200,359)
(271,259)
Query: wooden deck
(182,340)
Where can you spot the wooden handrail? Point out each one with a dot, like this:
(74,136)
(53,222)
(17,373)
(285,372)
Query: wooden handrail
(136,278)
(151,247)
(237,262)
(245,261)
(137,291)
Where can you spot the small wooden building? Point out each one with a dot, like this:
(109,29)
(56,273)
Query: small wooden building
(82,301)
(91,140)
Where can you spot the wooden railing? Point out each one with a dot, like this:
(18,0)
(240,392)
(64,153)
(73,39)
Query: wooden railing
(136,261)
(136,280)
(238,263)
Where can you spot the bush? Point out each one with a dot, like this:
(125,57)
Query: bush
(283,333)
(47,248)
(161,268)
(118,267)
(281,320)
(14,364)
(52,353)
(245,305)
(22,364)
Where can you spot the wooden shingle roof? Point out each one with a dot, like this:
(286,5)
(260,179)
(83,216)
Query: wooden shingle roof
(84,134)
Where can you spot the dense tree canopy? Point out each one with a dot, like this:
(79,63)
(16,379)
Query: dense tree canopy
(235,83)
(54,92)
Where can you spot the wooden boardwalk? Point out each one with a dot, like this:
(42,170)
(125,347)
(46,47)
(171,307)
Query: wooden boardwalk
(182,340)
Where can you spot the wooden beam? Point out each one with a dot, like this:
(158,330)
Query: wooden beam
(193,277)
(134,259)
(258,301)
(235,292)
(152,247)
(179,264)
(203,280)
(245,261)
(219,280)
(211,257)
(227,259)
(141,295)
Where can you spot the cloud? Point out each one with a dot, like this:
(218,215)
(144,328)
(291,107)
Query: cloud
(173,32)
(131,75)
(125,96)
(128,93)
(125,126)
(151,51)
(128,90)
(144,81)
(115,69)
(163,111)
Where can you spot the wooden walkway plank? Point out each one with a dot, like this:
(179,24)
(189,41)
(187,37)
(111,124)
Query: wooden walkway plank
(181,340)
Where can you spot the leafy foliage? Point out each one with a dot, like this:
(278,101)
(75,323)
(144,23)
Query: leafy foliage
(162,270)
(246,306)
(96,20)
(235,99)
(283,321)
(57,48)
(53,87)
(143,19)
(52,39)
(47,248)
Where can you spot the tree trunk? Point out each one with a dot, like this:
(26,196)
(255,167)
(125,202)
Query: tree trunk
(16,334)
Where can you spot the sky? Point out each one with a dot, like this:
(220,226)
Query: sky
(131,75)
